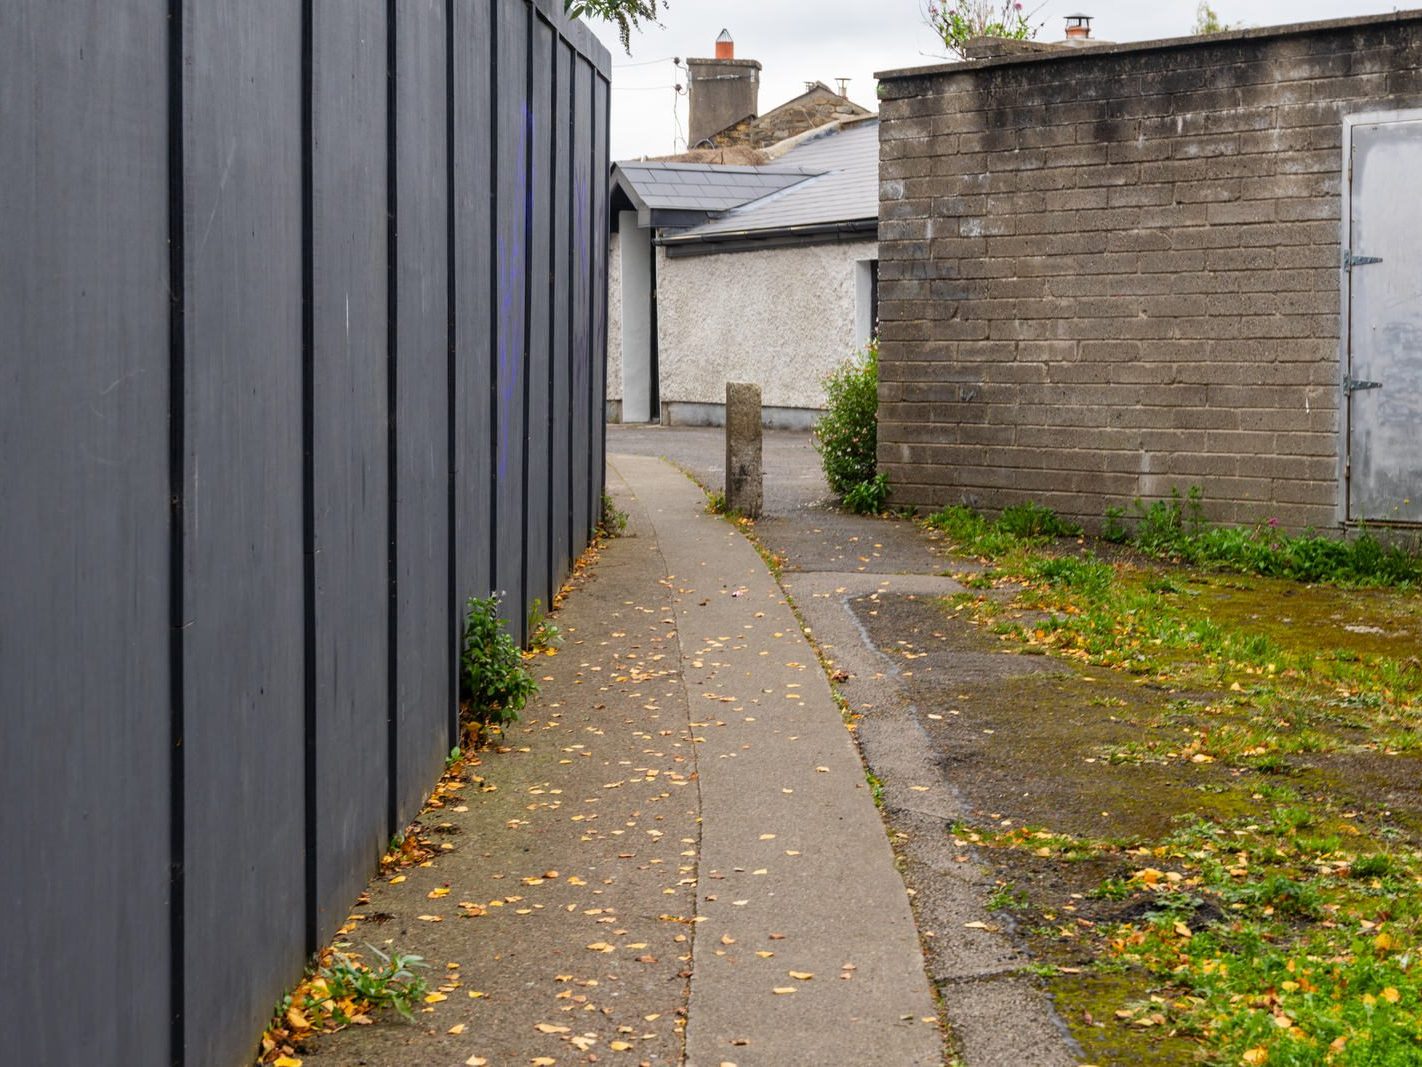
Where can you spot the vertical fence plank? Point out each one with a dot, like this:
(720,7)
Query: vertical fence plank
(559,313)
(602,93)
(476,72)
(579,454)
(243,740)
(83,530)
(536,445)
(349,449)
(514,132)
(423,477)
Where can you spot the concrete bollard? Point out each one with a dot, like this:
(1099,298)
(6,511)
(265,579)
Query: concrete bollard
(744,490)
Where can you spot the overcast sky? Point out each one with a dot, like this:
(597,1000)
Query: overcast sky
(798,41)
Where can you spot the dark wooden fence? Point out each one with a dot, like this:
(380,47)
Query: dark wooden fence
(302,333)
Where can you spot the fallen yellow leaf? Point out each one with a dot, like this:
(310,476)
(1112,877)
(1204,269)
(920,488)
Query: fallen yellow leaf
(476,1061)
(1255,1056)
(1391,995)
(783,990)
(286,1061)
(618,1046)
(549,1028)
(803,976)
(435,998)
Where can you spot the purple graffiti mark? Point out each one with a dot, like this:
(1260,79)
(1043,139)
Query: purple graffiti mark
(511,270)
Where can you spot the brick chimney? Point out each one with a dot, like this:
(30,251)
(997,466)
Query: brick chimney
(1078,28)
(720,91)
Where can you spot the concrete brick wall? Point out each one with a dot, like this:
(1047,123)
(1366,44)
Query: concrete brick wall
(1107,273)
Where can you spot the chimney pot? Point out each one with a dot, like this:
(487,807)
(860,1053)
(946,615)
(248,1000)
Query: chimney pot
(1078,27)
(719,91)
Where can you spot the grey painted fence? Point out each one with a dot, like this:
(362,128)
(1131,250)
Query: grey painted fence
(303,323)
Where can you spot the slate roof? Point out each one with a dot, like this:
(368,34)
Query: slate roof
(844,188)
(706,187)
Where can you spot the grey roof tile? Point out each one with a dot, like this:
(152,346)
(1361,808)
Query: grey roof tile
(702,186)
(845,187)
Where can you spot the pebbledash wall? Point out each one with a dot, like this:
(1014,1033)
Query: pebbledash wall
(1109,272)
(783,318)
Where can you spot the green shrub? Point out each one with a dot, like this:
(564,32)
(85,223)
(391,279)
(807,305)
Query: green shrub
(869,497)
(494,685)
(847,435)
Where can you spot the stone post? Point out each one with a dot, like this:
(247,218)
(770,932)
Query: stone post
(744,490)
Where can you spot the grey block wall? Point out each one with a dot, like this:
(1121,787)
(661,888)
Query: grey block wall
(1112,272)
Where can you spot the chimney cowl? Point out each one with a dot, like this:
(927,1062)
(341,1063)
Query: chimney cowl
(725,46)
(1078,27)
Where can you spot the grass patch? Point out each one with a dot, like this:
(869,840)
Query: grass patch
(1281,921)
(1175,529)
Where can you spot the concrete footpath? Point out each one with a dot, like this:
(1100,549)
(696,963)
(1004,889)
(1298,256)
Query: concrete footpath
(674,857)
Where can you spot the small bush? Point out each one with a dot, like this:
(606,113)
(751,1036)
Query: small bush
(847,435)
(494,685)
(868,498)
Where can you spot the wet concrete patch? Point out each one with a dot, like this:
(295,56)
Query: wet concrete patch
(1031,739)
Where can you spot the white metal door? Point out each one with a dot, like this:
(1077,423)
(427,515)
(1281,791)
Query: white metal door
(1383,290)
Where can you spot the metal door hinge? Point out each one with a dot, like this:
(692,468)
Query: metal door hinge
(1357,385)
(1350,261)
